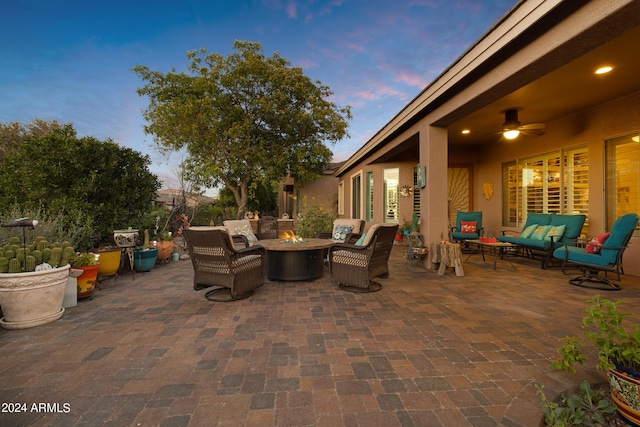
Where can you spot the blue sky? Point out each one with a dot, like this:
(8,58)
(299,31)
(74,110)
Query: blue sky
(71,60)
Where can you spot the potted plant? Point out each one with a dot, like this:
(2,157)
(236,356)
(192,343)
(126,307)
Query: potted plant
(144,258)
(88,263)
(618,350)
(164,245)
(33,278)
(109,259)
(403,229)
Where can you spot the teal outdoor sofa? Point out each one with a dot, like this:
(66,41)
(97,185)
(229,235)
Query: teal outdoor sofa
(560,230)
(607,257)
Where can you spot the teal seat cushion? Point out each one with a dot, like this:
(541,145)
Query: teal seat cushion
(509,239)
(573,225)
(576,254)
(620,231)
(464,236)
(536,244)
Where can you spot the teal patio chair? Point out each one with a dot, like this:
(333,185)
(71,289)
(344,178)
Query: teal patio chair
(468,227)
(606,258)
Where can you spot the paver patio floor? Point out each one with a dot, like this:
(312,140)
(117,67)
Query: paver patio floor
(427,350)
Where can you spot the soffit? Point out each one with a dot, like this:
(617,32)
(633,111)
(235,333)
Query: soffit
(570,88)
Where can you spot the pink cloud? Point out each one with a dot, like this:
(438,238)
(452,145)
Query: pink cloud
(411,79)
(292,9)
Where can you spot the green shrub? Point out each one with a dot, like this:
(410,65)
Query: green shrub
(313,220)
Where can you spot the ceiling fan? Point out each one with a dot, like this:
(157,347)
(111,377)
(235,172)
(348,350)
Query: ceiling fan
(512,127)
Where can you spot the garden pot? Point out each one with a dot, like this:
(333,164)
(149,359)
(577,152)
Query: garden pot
(165,248)
(625,393)
(144,260)
(175,256)
(109,261)
(87,280)
(126,238)
(32,299)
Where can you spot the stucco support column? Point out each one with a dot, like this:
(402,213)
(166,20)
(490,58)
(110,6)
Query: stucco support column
(434,219)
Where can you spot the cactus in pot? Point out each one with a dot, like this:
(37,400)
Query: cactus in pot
(32,289)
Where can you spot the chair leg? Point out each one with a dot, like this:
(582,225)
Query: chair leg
(593,280)
(373,287)
(224,295)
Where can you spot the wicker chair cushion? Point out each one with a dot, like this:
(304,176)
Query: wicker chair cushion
(247,232)
(356,259)
(340,232)
(370,233)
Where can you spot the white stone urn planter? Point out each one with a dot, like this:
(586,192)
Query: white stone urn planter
(32,299)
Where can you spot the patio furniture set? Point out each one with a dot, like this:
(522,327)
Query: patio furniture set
(233,261)
(554,236)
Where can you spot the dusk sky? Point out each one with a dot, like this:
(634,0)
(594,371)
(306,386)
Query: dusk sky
(71,60)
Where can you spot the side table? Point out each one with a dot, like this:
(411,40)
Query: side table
(447,254)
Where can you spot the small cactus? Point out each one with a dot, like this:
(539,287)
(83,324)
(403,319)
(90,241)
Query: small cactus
(4,264)
(67,254)
(20,254)
(14,240)
(14,266)
(46,254)
(42,244)
(38,256)
(56,256)
(145,246)
(29,263)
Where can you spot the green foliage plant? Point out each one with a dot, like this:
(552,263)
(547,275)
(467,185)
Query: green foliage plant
(313,220)
(84,259)
(585,407)
(603,328)
(86,180)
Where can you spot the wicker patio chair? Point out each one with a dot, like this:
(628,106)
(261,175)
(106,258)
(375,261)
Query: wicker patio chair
(234,273)
(353,267)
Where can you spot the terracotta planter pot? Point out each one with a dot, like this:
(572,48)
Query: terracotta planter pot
(87,280)
(109,261)
(32,299)
(625,393)
(165,248)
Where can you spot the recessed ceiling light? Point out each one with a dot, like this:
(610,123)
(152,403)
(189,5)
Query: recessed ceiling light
(604,70)
(466,131)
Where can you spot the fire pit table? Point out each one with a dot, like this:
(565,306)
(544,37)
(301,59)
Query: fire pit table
(289,260)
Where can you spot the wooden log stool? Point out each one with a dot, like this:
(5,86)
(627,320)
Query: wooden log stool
(447,254)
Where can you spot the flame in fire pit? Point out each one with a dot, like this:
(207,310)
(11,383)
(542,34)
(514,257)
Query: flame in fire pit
(291,237)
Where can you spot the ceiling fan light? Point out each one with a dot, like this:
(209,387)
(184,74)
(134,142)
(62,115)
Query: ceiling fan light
(604,70)
(511,134)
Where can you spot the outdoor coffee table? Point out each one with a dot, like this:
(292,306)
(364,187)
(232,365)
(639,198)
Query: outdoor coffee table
(289,261)
(496,249)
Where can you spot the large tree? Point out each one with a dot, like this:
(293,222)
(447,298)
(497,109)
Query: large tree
(243,118)
(63,173)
